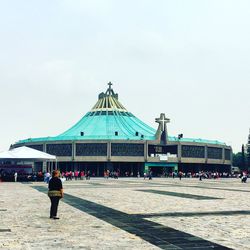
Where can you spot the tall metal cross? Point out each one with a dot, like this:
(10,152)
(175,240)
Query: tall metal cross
(162,121)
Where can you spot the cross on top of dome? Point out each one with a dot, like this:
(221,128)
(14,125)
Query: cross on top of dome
(110,84)
(110,91)
(108,101)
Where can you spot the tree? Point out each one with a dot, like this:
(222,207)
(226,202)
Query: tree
(248,156)
(243,158)
(248,152)
(237,158)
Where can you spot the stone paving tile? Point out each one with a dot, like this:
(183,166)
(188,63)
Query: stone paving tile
(149,231)
(144,203)
(32,229)
(181,195)
(27,214)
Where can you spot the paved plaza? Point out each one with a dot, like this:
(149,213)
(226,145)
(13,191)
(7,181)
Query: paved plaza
(128,213)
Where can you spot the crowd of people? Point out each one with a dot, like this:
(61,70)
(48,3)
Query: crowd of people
(70,175)
(111,174)
(82,175)
(77,175)
(208,175)
(20,176)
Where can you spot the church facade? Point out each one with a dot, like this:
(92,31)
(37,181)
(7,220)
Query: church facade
(109,137)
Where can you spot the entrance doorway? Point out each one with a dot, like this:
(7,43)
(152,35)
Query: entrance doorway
(160,169)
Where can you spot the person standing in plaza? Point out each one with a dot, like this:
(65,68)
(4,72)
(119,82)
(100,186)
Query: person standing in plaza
(55,193)
(15,176)
(82,174)
(150,176)
(173,174)
(180,175)
(88,175)
(200,175)
(47,177)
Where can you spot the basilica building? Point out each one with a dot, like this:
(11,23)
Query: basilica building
(109,137)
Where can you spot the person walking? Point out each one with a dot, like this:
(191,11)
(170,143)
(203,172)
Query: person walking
(55,193)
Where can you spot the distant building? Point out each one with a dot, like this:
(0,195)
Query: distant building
(110,137)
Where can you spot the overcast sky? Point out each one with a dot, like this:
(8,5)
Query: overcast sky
(189,59)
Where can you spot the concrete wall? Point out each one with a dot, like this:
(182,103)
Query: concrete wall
(145,158)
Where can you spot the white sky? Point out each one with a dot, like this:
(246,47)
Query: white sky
(188,59)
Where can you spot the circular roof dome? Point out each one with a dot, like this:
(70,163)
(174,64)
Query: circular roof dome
(108,119)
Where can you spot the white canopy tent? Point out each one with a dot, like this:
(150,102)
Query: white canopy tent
(5,155)
(26,154)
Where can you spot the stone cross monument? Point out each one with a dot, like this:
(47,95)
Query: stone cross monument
(161,133)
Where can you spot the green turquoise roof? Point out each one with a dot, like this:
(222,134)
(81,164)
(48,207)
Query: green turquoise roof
(96,126)
(107,120)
